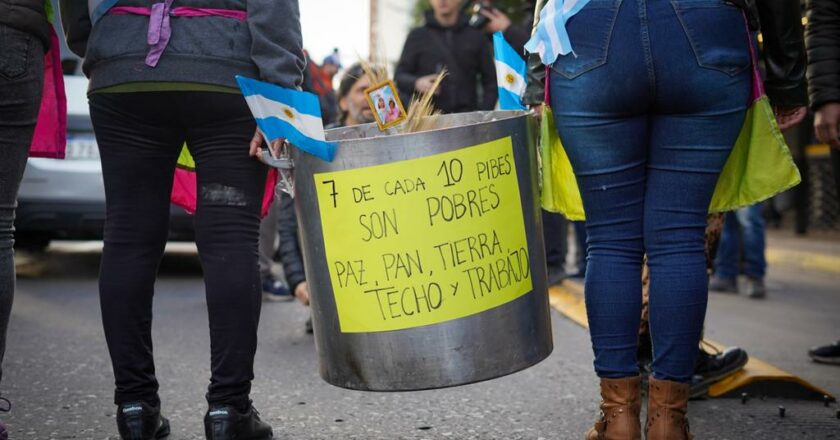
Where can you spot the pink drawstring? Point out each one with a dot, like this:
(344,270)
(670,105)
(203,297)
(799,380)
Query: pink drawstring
(160,28)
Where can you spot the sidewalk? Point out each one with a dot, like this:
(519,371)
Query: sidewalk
(813,252)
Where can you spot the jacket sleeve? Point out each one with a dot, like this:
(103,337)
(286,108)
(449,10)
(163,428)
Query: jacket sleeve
(823,41)
(276,42)
(488,75)
(517,36)
(75,20)
(405,74)
(289,249)
(784,52)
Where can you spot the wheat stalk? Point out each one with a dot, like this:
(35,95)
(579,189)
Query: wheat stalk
(422,115)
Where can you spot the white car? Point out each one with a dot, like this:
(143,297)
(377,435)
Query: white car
(65,199)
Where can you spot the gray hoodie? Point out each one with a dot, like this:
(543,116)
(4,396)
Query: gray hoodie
(205,50)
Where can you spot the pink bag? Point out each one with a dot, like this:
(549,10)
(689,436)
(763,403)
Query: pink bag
(50,139)
(184,190)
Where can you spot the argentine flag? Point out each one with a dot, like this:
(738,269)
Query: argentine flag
(551,39)
(510,74)
(288,114)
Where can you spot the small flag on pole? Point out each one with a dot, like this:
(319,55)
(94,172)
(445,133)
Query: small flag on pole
(510,74)
(288,114)
(551,39)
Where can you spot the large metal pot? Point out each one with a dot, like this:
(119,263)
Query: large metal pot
(428,331)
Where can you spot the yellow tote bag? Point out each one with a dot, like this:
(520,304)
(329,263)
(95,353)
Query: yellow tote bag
(759,166)
(560,191)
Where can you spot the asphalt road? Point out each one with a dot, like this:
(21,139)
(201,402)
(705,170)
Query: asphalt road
(58,376)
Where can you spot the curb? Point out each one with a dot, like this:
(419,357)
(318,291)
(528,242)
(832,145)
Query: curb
(756,378)
(811,261)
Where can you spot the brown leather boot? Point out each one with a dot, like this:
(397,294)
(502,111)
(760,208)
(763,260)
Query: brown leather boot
(667,407)
(620,406)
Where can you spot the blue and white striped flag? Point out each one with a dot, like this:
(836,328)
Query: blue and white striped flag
(551,39)
(288,114)
(510,74)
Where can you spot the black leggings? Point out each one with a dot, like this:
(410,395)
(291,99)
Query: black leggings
(140,136)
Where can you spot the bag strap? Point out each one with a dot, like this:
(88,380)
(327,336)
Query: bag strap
(757,82)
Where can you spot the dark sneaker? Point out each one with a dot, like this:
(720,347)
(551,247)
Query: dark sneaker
(141,421)
(826,354)
(726,285)
(712,367)
(224,422)
(308,326)
(756,288)
(5,407)
(276,290)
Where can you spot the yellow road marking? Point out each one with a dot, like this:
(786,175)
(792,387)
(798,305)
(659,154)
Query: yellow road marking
(804,260)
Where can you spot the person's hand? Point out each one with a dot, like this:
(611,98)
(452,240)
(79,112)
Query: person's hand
(499,22)
(256,143)
(425,83)
(787,117)
(826,121)
(302,293)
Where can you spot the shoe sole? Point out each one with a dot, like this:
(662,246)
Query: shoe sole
(825,360)
(701,389)
(163,431)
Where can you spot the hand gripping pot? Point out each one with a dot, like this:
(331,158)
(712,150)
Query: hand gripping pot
(424,253)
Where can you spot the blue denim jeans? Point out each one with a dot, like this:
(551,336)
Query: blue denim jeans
(744,226)
(648,108)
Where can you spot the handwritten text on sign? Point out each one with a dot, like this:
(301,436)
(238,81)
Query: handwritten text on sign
(424,241)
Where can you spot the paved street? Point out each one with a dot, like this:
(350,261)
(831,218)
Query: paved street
(58,376)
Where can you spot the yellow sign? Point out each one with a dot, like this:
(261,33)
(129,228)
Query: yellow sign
(424,241)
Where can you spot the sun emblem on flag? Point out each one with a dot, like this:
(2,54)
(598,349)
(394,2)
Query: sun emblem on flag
(510,79)
(289,114)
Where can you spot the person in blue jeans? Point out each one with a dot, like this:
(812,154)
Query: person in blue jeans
(649,107)
(742,231)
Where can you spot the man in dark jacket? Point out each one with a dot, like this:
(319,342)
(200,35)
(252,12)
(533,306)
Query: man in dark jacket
(24,37)
(447,41)
(823,42)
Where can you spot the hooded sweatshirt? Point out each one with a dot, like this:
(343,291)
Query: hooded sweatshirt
(202,50)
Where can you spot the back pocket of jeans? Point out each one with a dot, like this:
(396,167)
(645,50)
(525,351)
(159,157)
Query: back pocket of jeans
(717,33)
(14,57)
(590,32)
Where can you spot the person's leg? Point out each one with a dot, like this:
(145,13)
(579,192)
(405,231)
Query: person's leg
(21,80)
(726,261)
(555,230)
(701,100)
(752,225)
(230,191)
(139,146)
(753,232)
(604,127)
(274,288)
(268,241)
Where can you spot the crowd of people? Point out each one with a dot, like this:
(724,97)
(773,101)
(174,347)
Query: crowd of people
(646,150)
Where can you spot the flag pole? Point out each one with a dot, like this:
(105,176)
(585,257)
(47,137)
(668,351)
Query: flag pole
(539,7)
